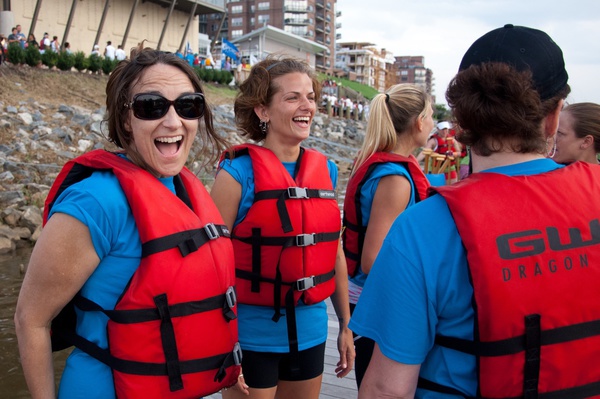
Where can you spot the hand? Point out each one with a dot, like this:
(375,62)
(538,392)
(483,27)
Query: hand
(241,385)
(345,343)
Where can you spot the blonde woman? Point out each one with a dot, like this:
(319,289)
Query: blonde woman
(385,180)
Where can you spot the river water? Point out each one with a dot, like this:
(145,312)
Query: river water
(12,382)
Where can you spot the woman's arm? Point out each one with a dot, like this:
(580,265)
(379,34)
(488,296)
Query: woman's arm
(391,198)
(61,262)
(340,302)
(226,192)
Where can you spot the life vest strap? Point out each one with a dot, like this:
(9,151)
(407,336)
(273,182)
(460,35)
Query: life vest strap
(300,240)
(225,301)
(169,344)
(285,194)
(511,346)
(429,385)
(187,241)
(298,285)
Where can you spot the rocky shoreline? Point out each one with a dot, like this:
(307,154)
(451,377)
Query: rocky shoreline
(39,138)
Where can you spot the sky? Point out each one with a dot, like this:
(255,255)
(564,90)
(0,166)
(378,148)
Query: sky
(442,31)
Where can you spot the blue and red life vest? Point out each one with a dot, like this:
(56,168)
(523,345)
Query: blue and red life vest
(354,231)
(533,249)
(286,246)
(173,331)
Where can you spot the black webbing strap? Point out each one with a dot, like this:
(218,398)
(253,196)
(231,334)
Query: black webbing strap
(175,310)
(255,241)
(531,372)
(299,285)
(511,346)
(429,385)
(167,335)
(292,330)
(300,240)
(187,241)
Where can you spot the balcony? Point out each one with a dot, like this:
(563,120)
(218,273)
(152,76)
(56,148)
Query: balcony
(296,21)
(338,25)
(338,14)
(319,16)
(320,3)
(295,8)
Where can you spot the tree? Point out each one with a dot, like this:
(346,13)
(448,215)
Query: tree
(441,113)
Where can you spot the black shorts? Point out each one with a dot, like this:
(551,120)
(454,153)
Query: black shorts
(265,369)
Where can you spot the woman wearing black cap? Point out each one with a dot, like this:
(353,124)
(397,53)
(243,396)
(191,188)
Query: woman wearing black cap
(502,307)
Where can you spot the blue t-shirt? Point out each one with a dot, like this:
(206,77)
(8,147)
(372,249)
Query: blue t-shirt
(100,203)
(257,331)
(419,287)
(367,193)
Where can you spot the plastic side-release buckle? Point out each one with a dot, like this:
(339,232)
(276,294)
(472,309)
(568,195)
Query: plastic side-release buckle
(297,192)
(237,354)
(302,240)
(305,283)
(211,231)
(230,297)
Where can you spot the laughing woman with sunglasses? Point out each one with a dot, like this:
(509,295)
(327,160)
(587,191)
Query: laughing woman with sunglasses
(134,246)
(278,199)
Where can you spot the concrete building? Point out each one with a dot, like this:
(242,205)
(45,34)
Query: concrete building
(364,63)
(313,20)
(411,69)
(165,24)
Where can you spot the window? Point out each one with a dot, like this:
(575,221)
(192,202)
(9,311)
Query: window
(263,19)
(264,5)
(237,9)
(236,33)
(237,21)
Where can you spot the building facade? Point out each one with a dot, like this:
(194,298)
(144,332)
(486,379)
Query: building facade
(364,63)
(411,69)
(314,20)
(166,24)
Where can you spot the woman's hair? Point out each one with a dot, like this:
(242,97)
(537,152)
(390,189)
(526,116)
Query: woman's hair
(392,114)
(498,108)
(119,92)
(586,121)
(259,88)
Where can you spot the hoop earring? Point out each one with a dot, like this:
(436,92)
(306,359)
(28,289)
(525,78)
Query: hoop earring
(264,126)
(552,152)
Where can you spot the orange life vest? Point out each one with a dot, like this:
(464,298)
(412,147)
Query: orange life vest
(173,331)
(354,230)
(533,249)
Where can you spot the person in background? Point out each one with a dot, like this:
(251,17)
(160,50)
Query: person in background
(109,51)
(21,37)
(444,143)
(67,48)
(578,136)
(486,313)
(31,41)
(120,54)
(136,249)
(45,43)
(96,50)
(386,179)
(279,201)
(55,45)
(13,37)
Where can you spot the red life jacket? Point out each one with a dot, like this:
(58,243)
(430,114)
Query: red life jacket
(354,231)
(533,249)
(286,246)
(173,331)
(289,238)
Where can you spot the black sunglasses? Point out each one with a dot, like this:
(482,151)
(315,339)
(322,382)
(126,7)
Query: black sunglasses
(149,107)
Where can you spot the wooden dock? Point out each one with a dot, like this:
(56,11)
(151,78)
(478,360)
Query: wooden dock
(332,387)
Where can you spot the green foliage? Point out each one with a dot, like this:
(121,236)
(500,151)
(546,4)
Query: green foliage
(80,61)
(16,54)
(201,72)
(94,63)
(226,77)
(65,61)
(367,92)
(441,113)
(108,65)
(209,75)
(32,56)
(50,58)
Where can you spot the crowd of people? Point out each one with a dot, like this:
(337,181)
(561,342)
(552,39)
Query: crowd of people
(482,288)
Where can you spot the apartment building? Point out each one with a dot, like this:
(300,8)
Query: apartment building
(314,20)
(411,69)
(366,64)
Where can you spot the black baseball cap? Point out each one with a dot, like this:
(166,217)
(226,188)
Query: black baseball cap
(524,49)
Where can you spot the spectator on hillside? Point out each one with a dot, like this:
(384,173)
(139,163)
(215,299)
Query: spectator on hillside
(120,53)
(13,37)
(55,45)
(45,43)
(31,41)
(67,48)
(96,50)
(21,37)
(109,51)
